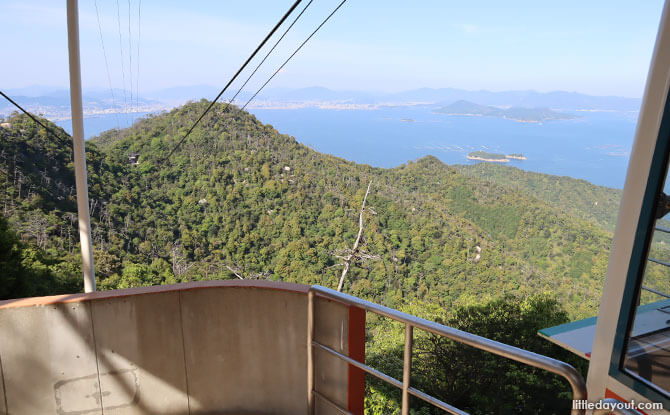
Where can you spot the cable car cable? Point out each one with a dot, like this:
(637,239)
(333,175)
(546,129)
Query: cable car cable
(104,54)
(296,51)
(123,71)
(139,37)
(130,57)
(255,52)
(30,115)
(268,54)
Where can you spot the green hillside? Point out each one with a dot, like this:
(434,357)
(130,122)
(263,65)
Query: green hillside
(575,197)
(38,232)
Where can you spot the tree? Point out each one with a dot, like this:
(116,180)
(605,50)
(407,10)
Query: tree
(29,271)
(355,253)
(479,382)
(10,259)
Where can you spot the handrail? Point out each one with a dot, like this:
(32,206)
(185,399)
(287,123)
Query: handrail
(393,381)
(514,353)
(659,262)
(662,229)
(655,291)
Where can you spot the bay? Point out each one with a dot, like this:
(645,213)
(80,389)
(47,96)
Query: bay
(594,147)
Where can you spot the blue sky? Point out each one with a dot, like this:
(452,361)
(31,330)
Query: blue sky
(595,47)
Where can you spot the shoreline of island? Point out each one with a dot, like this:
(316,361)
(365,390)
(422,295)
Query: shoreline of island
(494,157)
(503,160)
(516,156)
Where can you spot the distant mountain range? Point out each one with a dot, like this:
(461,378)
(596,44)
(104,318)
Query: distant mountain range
(444,96)
(535,115)
(53,102)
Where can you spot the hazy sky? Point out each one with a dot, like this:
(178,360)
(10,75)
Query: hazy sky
(600,47)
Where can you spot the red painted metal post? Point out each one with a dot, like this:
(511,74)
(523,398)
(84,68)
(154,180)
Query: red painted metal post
(356,377)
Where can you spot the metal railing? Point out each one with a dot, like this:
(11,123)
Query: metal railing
(655,291)
(657,261)
(662,229)
(514,353)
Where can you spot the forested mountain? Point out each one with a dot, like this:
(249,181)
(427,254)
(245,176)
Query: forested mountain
(38,232)
(238,195)
(239,200)
(573,196)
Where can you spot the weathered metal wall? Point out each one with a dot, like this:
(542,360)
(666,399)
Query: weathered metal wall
(199,348)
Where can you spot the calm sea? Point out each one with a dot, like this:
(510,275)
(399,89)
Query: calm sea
(594,147)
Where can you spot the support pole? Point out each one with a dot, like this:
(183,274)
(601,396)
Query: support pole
(407,368)
(310,352)
(78,145)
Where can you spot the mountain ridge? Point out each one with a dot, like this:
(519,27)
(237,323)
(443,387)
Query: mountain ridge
(36,98)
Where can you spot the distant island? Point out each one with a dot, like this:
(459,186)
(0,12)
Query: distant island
(495,157)
(518,114)
(406,120)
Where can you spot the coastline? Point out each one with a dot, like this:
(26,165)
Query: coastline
(505,160)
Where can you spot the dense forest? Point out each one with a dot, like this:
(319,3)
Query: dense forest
(240,200)
(575,197)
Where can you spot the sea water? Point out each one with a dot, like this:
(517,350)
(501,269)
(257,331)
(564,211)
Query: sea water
(595,146)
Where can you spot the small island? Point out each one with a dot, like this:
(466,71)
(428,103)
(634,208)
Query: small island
(406,120)
(494,157)
(484,156)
